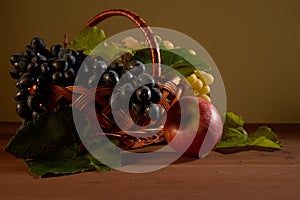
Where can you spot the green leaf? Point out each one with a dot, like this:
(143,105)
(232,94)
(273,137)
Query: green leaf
(64,162)
(235,138)
(233,121)
(88,39)
(178,59)
(262,141)
(103,149)
(98,165)
(265,137)
(110,51)
(266,132)
(51,145)
(49,133)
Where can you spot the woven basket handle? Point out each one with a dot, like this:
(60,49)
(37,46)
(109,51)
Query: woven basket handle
(154,47)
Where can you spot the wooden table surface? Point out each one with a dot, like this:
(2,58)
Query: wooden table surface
(245,175)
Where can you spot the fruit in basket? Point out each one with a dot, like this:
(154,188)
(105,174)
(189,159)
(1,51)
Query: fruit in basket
(139,90)
(193,126)
(109,78)
(143,94)
(200,81)
(136,67)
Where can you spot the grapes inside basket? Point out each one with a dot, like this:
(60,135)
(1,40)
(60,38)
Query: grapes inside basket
(123,92)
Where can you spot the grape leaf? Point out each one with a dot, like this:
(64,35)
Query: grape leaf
(179,59)
(232,137)
(236,139)
(232,120)
(104,150)
(91,42)
(266,132)
(262,141)
(50,132)
(88,39)
(64,162)
(109,51)
(51,145)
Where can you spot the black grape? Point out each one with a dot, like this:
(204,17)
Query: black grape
(60,64)
(99,66)
(63,52)
(15,59)
(70,76)
(25,81)
(35,102)
(143,94)
(45,52)
(29,52)
(136,67)
(38,44)
(58,78)
(55,49)
(39,59)
(14,73)
(45,68)
(110,78)
(24,111)
(126,91)
(69,58)
(34,69)
(156,95)
(116,67)
(145,79)
(21,95)
(92,82)
(127,77)
(152,112)
(22,65)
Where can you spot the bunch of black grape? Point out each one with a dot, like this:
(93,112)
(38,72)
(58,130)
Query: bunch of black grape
(135,87)
(131,82)
(36,68)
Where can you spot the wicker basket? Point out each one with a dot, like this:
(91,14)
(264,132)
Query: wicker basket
(171,92)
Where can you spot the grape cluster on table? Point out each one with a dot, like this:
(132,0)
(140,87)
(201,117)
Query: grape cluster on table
(37,67)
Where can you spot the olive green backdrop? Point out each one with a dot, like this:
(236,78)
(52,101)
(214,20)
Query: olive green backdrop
(255,43)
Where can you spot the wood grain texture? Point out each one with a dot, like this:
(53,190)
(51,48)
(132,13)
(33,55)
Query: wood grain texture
(245,175)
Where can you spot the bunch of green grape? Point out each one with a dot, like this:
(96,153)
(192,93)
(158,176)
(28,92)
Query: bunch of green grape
(200,81)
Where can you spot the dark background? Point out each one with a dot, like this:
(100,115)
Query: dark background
(254,43)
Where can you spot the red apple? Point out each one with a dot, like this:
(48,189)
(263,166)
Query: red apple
(193,126)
